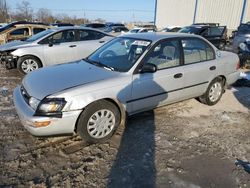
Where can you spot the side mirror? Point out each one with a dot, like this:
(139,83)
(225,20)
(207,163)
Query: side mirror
(148,68)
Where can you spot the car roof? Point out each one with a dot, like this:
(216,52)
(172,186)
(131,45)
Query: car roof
(156,36)
(74,27)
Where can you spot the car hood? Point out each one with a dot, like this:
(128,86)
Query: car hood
(53,79)
(14,45)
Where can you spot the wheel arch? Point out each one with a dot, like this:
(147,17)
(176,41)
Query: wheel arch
(32,56)
(116,102)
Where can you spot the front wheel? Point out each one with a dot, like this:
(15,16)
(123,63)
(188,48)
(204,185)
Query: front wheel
(98,121)
(28,63)
(213,93)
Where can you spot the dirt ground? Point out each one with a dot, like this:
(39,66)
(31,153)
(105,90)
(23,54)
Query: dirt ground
(187,144)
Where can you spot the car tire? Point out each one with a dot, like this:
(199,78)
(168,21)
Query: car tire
(98,122)
(28,63)
(213,93)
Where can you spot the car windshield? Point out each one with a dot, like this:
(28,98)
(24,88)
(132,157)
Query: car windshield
(244,29)
(191,30)
(39,35)
(120,54)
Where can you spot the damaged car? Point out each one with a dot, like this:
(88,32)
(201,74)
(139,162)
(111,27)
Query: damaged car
(20,30)
(53,46)
(130,74)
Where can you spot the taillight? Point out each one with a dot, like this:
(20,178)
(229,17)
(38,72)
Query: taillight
(238,65)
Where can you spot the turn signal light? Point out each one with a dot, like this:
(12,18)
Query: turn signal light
(41,124)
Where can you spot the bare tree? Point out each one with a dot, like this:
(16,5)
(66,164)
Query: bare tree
(45,15)
(24,11)
(4,11)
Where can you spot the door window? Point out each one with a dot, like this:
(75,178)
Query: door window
(196,50)
(37,30)
(22,31)
(60,37)
(165,55)
(89,35)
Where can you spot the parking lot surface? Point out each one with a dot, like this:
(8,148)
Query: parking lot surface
(186,144)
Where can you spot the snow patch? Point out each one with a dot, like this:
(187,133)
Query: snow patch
(245,75)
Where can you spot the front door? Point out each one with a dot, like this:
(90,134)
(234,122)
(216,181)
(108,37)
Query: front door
(61,47)
(164,86)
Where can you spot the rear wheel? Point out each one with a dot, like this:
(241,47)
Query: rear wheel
(98,121)
(28,63)
(213,93)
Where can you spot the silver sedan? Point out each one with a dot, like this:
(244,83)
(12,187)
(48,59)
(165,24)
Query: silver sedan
(53,46)
(127,75)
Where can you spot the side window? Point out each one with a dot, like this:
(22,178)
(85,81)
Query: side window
(165,55)
(22,31)
(89,35)
(63,36)
(196,50)
(38,30)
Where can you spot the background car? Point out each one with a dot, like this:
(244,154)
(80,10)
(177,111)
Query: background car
(99,26)
(171,29)
(20,30)
(54,46)
(116,30)
(141,30)
(240,36)
(217,35)
(61,24)
(130,74)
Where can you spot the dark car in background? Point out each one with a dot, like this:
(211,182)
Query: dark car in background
(240,36)
(61,24)
(116,30)
(214,33)
(98,26)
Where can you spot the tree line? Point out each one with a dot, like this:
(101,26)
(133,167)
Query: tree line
(24,11)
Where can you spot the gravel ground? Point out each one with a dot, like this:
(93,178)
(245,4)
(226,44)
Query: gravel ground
(186,144)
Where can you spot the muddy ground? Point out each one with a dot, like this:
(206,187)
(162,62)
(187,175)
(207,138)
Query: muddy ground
(186,145)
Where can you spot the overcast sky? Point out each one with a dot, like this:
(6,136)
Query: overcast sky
(110,10)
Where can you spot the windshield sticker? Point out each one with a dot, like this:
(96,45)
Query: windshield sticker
(141,43)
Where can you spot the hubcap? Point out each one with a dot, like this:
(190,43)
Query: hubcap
(215,92)
(29,65)
(101,123)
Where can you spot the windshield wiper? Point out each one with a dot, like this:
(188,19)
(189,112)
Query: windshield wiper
(99,64)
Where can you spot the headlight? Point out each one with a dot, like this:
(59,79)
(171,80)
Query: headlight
(243,46)
(51,107)
(33,102)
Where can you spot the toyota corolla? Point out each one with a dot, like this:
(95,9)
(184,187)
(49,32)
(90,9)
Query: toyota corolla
(130,74)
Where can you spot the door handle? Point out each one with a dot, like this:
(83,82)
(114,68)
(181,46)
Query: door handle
(179,75)
(72,46)
(212,68)
(102,41)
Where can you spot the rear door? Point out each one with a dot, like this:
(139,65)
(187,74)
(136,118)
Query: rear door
(199,68)
(164,86)
(18,34)
(88,41)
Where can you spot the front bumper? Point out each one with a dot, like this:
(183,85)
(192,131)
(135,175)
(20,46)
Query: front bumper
(9,61)
(64,125)
(233,77)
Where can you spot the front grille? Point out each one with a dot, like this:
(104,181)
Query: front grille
(25,95)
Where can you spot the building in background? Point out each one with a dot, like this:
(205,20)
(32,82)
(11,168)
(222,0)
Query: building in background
(186,12)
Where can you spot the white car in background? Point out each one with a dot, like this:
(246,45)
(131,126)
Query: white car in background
(53,46)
